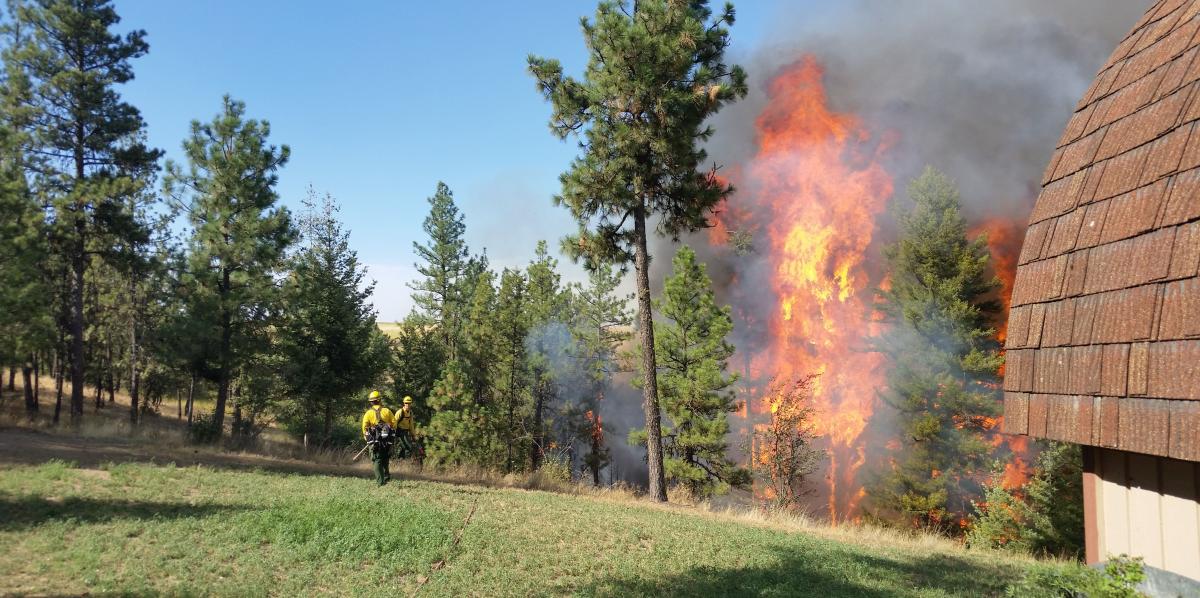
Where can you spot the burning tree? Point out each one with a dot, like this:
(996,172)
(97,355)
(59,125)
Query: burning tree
(783,451)
(656,73)
(600,328)
(944,357)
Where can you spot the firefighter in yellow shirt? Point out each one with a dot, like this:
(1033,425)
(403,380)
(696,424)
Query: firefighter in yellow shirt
(379,437)
(405,428)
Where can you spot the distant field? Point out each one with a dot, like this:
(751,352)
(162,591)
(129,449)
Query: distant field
(389,328)
(147,529)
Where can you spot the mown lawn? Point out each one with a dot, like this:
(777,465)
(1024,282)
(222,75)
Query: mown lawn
(146,529)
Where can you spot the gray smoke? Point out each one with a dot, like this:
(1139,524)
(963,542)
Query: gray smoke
(982,90)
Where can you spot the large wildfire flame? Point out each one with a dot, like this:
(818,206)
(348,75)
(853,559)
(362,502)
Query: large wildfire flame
(811,197)
(820,179)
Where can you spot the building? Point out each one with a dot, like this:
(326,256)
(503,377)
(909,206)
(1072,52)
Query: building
(1104,334)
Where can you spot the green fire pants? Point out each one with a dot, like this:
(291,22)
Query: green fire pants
(380,458)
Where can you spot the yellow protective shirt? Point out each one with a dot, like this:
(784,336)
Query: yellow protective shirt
(404,418)
(375,415)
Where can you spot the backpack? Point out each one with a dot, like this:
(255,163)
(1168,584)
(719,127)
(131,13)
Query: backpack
(381,433)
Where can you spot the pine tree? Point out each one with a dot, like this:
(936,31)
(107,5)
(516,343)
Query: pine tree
(696,396)
(417,360)
(546,305)
(459,429)
(88,141)
(440,296)
(239,234)
(600,327)
(941,347)
(479,342)
(331,344)
(26,323)
(656,73)
(1043,516)
(511,371)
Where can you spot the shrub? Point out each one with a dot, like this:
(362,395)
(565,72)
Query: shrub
(204,429)
(1044,516)
(1119,579)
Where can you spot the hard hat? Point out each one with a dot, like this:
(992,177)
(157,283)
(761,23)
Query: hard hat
(374,396)
(408,400)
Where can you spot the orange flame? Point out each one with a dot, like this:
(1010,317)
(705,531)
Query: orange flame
(818,188)
(1004,238)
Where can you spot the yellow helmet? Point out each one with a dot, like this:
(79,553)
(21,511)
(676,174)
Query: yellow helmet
(408,400)
(374,396)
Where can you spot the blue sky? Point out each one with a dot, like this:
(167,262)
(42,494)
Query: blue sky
(379,101)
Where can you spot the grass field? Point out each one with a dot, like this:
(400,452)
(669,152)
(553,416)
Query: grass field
(155,529)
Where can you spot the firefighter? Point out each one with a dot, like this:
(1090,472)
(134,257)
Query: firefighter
(378,425)
(405,428)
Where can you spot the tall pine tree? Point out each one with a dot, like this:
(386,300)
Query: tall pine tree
(443,264)
(692,355)
(239,234)
(88,142)
(26,323)
(941,346)
(546,305)
(511,370)
(655,74)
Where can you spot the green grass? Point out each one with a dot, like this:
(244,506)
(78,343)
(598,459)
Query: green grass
(145,529)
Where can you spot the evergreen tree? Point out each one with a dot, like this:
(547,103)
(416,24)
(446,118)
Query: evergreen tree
(479,337)
(941,347)
(443,264)
(332,347)
(695,390)
(88,142)
(1044,516)
(417,360)
(26,323)
(546,304)
(238,237)
(458,431)
(655,74)
(511,371)
(601,326)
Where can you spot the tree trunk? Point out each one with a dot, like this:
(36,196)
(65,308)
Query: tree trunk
(37,378)
(178,402)
(328,436)
(12,377)
(99,388)
(58,387)
(31,405)
(78,266)
(191,397)
(535,448)
(108,382)
(223,379)
(133,356)
(654,451)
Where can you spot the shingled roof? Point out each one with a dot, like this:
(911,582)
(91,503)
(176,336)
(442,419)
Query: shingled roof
(1103,341)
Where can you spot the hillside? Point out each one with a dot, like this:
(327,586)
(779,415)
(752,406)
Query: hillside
(146,528)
